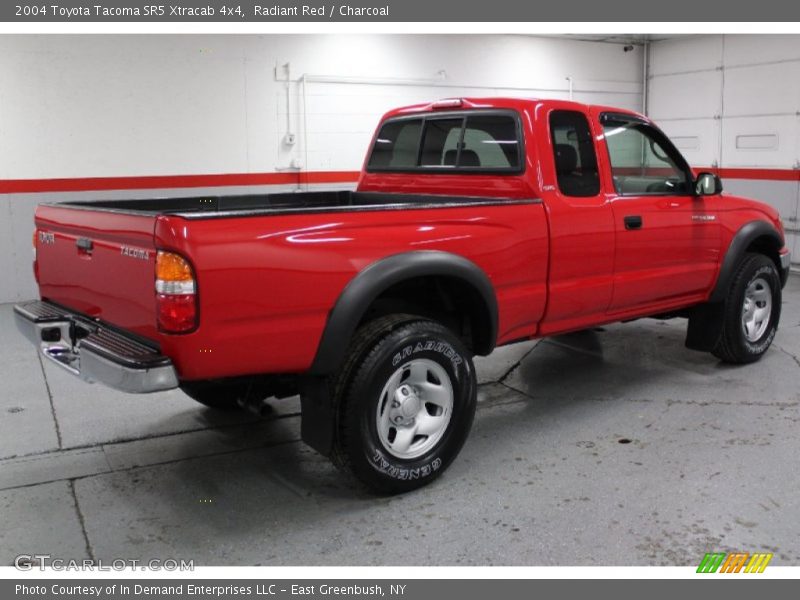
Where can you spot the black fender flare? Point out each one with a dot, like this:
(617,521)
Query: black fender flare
(746,235)
(367,285)
(706,320)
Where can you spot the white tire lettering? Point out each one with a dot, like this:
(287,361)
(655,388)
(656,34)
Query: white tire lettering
(385,467)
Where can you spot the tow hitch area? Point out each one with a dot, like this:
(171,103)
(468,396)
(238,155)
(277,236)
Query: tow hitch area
(92,351)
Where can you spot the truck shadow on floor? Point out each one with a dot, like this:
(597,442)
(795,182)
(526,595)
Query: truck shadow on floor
(618,364)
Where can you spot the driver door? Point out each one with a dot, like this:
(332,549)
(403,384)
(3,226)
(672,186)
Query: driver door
(667,239)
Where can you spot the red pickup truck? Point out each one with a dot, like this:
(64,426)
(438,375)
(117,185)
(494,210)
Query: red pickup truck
(476,223)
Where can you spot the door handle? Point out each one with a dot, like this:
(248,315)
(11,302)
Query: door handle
(85,245)
(633,222)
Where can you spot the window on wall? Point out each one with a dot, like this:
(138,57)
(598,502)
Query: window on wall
(643,160)
(574,154)
(464,142)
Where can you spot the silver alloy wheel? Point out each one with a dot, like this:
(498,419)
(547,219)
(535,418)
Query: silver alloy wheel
(757,309)
(414,408)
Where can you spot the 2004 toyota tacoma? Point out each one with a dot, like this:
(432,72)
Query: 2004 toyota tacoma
(476,223)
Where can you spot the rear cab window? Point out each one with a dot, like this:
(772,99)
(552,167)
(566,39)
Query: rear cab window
(470,142)
(396,145)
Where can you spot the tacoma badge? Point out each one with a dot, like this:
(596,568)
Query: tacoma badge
(132,252)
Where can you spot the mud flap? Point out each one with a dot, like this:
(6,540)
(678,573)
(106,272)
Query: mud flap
(705,326)
(317,421)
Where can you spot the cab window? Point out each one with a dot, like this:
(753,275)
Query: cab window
(396,145)
(490,141)
(574,154)
(470,142)
(643,160)
(440,142)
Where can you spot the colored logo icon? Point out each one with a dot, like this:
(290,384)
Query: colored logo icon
(734,562)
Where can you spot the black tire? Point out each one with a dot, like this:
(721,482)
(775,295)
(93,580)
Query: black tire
(754,272)
(378,352)
(219,395)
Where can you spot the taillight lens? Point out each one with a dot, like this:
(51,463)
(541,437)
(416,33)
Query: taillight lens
(176,293)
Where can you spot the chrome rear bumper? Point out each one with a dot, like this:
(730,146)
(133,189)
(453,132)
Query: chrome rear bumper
(94,352)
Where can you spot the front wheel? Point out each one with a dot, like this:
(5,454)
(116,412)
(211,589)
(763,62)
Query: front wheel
(751,311)
(407,397)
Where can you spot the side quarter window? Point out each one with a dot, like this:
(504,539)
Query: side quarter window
(574,154)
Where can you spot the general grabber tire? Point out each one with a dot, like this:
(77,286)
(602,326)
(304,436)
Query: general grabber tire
(406,396)
(751,311)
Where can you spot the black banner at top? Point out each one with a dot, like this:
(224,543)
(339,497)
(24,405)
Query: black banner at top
(315,11)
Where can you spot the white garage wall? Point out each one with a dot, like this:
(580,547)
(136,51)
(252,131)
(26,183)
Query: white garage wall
(80,106)
(112,106)
(733,102)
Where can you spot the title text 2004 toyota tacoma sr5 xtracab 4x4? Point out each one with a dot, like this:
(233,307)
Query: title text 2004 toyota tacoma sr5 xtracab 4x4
(476,223)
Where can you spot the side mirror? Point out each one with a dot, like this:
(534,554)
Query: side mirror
(707,184)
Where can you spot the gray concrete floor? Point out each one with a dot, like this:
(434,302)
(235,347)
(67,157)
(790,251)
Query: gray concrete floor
(712,465)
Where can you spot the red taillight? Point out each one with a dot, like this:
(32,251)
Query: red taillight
(176,293)
(177,314)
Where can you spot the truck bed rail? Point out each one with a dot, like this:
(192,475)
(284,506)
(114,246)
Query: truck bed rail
(211,207)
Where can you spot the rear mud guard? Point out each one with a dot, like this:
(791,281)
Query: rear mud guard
(705,326)
(317,420)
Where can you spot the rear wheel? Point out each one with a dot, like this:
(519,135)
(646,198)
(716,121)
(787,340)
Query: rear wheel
(751,311)
(406,396)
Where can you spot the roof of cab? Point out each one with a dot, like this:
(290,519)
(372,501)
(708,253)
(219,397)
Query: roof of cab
(518,104)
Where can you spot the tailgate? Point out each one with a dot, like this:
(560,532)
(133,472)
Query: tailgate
(100,263)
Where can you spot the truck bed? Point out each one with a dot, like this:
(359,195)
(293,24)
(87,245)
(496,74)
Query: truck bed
(269,267)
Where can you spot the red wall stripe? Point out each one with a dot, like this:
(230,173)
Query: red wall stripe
(83,184)
(763,174)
